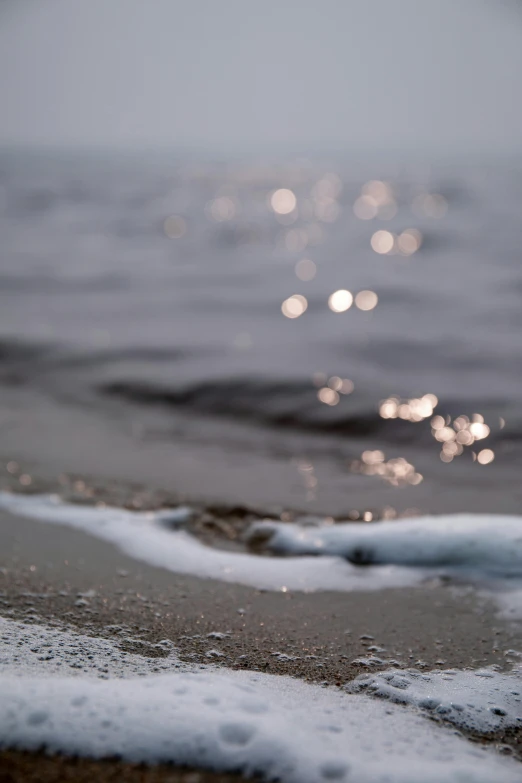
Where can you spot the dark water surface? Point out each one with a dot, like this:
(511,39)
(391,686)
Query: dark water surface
(142,333)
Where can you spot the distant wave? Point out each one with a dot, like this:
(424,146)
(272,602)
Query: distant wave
(290,404)
(33,357)
(15,350)
(280,402)
(50,284)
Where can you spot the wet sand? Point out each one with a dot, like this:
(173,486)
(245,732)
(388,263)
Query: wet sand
(22,767)
(323,637)
(46,568)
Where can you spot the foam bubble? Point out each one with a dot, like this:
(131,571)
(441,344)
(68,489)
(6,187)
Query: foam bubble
(483,542)
(482,701)
(26,648)
(284,728)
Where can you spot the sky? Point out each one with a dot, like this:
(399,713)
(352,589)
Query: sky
(262,74)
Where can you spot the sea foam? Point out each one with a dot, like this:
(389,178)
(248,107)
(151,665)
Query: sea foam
(481,700)
(404,553)
(488,543)
(225,720)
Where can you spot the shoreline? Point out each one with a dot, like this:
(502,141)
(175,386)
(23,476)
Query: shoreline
(48,569)
(59,576)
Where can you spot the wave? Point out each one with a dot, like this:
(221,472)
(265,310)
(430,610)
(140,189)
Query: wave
(280,403)
(17,351)
(487,543)
(345,556)
(51,284)
(289,404)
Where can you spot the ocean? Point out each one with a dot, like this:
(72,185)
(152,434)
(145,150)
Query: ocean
(341,337)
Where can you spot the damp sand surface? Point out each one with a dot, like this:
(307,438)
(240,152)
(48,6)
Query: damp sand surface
(23,767)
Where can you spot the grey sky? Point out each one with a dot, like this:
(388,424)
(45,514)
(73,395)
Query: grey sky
(223,74)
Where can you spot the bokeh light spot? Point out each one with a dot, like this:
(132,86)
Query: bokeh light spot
(365,208)
(328,396)
(383,242)
(409,241)
(347,386)
(175,226)
(366,300)
(294,306)
(340,301)
(485,456)
(283,201)
(305,270)
(335,383)
(221,209)
(479,430)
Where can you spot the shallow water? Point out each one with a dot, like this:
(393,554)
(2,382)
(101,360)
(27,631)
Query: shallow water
(173,330)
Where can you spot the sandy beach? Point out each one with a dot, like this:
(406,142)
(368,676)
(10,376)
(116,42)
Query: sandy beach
(47,570)
(59,577)
(260,370)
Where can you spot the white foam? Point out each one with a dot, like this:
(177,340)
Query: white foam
(27,648)
(481,701)
(145,537)
(488,543)
(400,554)
(509,601)
(224,720)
